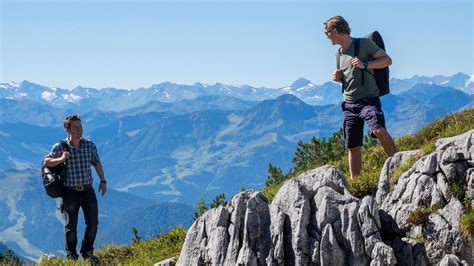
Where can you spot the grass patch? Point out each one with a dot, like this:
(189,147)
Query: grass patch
(428,148)
(365,185)
(467,224)
(397,173)
(420,215)
(271,190)
(421,239)
(144,252)
(457,189)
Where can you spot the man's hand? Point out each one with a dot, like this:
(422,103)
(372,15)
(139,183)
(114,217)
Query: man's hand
(102,188)
(65,156)
(356,62)
(337,75)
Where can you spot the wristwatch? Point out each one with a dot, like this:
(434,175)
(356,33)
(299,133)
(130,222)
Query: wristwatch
(103,182)
(366,64)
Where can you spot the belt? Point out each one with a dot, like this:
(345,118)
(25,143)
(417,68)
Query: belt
(79,188)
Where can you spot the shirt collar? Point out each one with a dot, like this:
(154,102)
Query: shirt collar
(69,141)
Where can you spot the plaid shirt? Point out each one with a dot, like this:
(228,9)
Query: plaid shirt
(79,163)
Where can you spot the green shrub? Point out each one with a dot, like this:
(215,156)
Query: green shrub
(271,190)
(8,258)
(200,208)
(419,216)
(219,200)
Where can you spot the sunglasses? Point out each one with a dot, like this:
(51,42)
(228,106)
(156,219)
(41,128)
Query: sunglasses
(327,32)
(72,117)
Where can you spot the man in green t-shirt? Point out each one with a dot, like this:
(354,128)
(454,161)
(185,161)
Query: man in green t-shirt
(361,94)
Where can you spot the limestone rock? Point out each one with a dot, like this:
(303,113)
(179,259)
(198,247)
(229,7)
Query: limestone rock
(426,185)
(388,168)
(238,233)
(167,262)
(382,254)
(409,252)
(451,260)
(331,253)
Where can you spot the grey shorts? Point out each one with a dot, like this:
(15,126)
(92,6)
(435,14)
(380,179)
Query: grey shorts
(368,110)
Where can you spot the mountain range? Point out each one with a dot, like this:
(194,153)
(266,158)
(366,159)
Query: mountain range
(167,146)
(112,99)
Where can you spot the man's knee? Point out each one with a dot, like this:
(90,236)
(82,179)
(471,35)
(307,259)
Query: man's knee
(355,149)
(70,227)
(379,132)
(92,222)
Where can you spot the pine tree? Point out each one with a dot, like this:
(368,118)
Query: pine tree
(219,201)
(200,208)
(275,175)
(8,258)
(136,237)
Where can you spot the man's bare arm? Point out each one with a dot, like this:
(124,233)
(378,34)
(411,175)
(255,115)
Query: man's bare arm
(52,162)
(381,60)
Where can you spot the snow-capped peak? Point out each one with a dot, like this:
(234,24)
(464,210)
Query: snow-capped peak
(299,83)
(470,80)
(48,96)
(15,85)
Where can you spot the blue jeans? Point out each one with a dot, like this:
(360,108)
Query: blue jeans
(72,201)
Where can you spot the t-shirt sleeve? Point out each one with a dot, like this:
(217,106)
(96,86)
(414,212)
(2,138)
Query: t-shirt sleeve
(95,156)
(371,47)
(56,151)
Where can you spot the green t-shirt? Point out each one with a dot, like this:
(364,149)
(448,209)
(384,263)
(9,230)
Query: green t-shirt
(353,88)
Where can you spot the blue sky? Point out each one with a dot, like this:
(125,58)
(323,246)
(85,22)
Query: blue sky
(131,44)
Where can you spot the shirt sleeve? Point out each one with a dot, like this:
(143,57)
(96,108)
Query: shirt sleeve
(95,156)
(56,151)
(371,47)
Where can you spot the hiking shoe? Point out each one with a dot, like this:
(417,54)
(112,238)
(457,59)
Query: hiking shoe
(72,256)
(90,256)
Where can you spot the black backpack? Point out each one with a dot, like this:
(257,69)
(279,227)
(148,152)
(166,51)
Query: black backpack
(381,75)
(53,177)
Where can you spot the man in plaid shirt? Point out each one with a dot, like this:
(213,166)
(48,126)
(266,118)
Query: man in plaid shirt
(78,191)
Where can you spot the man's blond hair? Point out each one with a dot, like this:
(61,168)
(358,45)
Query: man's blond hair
(338,23)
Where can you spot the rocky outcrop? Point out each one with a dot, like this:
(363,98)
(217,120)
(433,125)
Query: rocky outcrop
(314,220)
(427,186)
(235,234)
(390,165)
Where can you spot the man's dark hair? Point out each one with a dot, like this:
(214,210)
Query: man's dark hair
(338,23)
(69,119)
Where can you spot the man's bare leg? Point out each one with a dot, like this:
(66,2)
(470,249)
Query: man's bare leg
(355,162)
(386,141)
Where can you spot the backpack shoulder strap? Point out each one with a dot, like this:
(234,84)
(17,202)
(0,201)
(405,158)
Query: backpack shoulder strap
(338,59)
(356,47)
(64,145)
(356,54)
(338,65)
